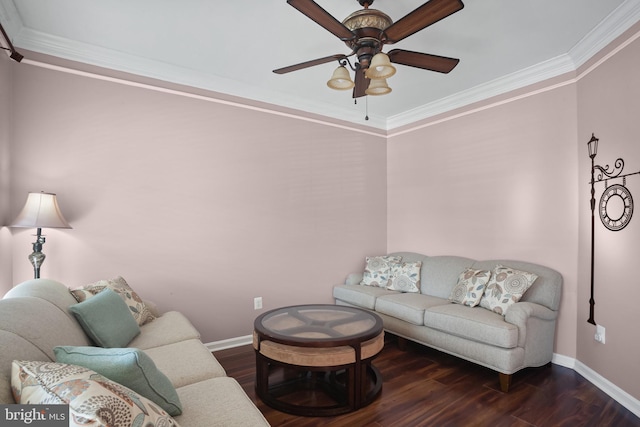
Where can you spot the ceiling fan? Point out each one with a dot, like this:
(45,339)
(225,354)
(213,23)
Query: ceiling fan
(366,31)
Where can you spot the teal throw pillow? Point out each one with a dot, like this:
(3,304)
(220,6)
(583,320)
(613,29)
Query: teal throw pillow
(129,367)
(106,319)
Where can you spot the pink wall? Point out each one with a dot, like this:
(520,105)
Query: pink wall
(498,182)
(200,206)
(609,106)
(511,180)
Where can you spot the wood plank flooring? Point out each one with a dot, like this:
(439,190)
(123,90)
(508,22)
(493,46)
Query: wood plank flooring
(425,387)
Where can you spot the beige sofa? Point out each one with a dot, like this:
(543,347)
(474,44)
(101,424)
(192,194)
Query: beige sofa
(35,318)
(523,337)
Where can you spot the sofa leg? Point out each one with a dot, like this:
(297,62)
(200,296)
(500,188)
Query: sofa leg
(402,343)
(505,381)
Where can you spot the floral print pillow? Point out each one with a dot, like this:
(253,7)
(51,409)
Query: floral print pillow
(93,400)
(138,308)
(405,277)
(377,272)
(470,287)
(506,287)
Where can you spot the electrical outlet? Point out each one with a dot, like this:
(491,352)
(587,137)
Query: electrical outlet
(257,303)
(600,334)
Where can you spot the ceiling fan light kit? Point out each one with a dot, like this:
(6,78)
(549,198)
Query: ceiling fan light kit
(380,67)
(378,87)
(341,80)
(366,32)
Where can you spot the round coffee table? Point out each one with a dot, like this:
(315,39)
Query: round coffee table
(315,360)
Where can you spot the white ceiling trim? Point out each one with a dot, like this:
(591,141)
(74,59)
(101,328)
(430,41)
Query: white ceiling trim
(619,21)
(610,28)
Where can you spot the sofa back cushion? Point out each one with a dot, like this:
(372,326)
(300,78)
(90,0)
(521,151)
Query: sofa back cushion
(30,326)
(439,274)
(547,288)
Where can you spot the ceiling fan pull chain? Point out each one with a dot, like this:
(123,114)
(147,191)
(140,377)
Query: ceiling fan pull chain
(366,103)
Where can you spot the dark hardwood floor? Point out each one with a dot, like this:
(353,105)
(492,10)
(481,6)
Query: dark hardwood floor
(424,387)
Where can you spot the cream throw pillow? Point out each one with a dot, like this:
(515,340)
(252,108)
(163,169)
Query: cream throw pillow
(405,277)
(93,399)
(138,308)
(377,271)
(470,287)
(506,287)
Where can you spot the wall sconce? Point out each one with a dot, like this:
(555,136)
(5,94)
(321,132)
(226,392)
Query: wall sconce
(40,211)
(613,219)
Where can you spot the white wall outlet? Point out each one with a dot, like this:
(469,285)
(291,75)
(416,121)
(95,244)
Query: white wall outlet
(257,303)
(600,334)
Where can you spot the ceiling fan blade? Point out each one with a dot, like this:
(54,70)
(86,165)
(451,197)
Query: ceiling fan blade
(362,83)
(323,18)
(427,14)
(308,64)
(441,64)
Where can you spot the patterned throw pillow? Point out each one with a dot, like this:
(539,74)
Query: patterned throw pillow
(92,399)
(470,287)
(377,272)
(140,311)
(506,287)
(406,277)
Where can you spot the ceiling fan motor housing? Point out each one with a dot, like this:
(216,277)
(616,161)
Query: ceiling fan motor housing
(369,26)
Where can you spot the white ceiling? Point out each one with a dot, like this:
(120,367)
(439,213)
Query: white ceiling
(232,46)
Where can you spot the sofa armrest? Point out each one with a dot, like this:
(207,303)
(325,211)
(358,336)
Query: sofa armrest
(536,329)
(353,279)
(519,312)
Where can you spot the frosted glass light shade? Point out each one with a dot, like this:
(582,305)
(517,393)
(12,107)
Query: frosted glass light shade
(378,87)
(380,67)
(341,80)
(41,211)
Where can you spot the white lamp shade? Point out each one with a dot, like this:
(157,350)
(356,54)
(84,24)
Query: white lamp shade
(341,80)
(380,67)
(378,87)
(41,211)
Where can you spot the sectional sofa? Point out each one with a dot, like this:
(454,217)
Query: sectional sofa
(40,325)
(440,312)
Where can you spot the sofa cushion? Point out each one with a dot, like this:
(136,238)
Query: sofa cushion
(475,324)
(171,327)
(378,270)
(360,296)
(470,287)
(130,367)
(407,306)
(405,277)
(138,307)
(92,398)
(106,319)
(186,362)
(218,402)
(506,287)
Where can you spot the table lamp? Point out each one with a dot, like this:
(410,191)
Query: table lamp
(40,211)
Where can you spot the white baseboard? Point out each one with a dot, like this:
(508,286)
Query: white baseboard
(229,343)
(615,392)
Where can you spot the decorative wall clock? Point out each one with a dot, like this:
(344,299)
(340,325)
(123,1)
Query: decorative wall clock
(616,207)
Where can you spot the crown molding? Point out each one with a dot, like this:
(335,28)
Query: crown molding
(614,25)
(106,58)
